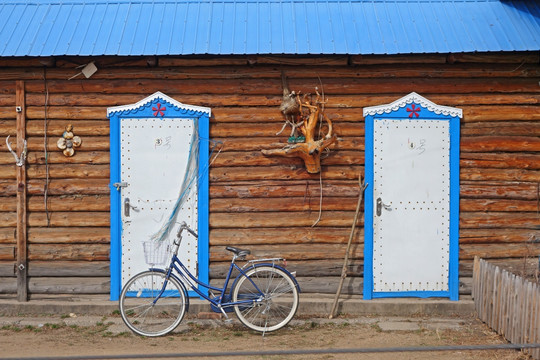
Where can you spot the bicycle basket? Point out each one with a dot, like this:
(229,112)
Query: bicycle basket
(155,252)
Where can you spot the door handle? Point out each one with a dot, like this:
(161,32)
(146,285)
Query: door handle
(128,207)
(380,205)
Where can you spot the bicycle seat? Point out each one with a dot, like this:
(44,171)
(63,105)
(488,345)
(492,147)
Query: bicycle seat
(237,251)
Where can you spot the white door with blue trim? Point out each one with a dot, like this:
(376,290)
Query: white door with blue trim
(411,188)
(154,159)
(412,201)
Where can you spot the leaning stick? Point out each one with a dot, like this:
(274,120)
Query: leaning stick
(344,269)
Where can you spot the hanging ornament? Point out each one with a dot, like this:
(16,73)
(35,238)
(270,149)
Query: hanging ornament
(68,141)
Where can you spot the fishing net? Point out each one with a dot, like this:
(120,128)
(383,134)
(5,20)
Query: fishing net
(192,176)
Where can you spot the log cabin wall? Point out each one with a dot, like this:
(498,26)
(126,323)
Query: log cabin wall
(267,204)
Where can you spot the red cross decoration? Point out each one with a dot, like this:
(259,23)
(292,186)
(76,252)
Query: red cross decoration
(159,110)
(414,111)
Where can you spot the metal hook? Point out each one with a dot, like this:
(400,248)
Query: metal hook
(19,161)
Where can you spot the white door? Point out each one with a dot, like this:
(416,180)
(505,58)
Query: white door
(411,205)
(154,157)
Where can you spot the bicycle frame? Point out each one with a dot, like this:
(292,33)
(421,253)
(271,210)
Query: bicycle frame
(219,300)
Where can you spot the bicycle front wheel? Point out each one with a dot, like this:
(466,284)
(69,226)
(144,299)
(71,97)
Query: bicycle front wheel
(149,307)
(269,298)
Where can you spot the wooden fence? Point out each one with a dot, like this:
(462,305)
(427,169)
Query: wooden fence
(509,304)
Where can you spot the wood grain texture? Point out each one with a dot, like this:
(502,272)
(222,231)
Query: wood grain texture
(268,204)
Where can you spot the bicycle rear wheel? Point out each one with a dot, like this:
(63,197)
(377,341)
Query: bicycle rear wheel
(271,298)
(147,310)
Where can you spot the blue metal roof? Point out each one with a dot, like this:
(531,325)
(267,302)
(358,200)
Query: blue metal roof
(166,27)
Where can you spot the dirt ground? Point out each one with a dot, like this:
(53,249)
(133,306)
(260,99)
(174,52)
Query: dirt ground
(65,339)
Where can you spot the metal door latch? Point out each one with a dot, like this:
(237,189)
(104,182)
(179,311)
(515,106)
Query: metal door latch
(381,205)
(119,185)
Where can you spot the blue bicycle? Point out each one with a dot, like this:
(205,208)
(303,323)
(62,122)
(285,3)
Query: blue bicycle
(264,295)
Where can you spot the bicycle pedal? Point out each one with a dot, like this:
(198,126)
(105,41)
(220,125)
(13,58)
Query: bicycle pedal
(228,321)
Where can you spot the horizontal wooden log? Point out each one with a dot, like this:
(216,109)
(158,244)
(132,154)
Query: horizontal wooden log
(501,128)
(519,250)
(288,204)
(80,157)
(8,252)
(329,285)
(470,59)
(498,205)
(58,187)
(497,236)
(8,172)
(272,114)
(278,219)
(58,219)
(69,235)
(284,189)
(260,236)
(499,143)
(480,174)
(69,186)
(305,85)
(81,126)
(8,286)
(90,143)
(293,252)
(61,203)
(69,203)
(348,142)
(8,235)
(283,173)
(67,112)
(257,158)
(233,99)
(65,171)
(8,269)
(57,157)
(355,268)
(270,129)
(500,113)
(498,190)
(69,252)
(68,171)
(82,269)
(525,57)
(69,285)
(351,285)
(500,160)
(316,268)
(480,220)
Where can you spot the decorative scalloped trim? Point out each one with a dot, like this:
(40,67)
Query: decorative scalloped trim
(151,99)
(409,99)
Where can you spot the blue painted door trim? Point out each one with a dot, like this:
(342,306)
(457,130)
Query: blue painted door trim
(400,110)
(146,109)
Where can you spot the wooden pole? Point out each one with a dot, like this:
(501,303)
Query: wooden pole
(346,260)
(22,283)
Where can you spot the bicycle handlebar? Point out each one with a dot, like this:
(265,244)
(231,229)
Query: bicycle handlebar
(184,226)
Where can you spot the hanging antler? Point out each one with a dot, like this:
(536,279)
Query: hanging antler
(19,161)
(310,150)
